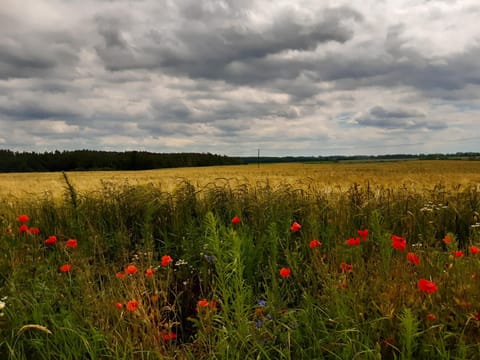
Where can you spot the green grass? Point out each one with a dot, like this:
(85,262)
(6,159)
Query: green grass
(246,309)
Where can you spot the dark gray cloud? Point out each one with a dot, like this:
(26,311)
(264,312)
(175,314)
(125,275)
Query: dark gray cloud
(209,49)
(397,119)
(39,105)
(27,54)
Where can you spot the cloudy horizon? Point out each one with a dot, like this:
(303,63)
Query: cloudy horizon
(299,78)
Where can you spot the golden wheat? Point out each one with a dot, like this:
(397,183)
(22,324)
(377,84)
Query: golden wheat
(309,175)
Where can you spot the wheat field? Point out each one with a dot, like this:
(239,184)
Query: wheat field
(327,176)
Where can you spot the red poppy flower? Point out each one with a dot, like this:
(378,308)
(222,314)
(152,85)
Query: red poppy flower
(457,253)
(353,241)
(23,228)
(34,231)
(285,272)
(120,275)
(131,269)
(399,243)
(166,260)
(346,267)
(431,317)
(477,315)
(23,218)
(51,240)
(447,240)
(149,272)
(236,220)
(71,243)
(132,305)
(314,243)
(474,249)
(169,336)
(119,305)
(413,258)
(295,227)
(203,303)
(65,268)
(427,286)
(363,234)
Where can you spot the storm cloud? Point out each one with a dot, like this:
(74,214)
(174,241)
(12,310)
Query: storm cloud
(223,76)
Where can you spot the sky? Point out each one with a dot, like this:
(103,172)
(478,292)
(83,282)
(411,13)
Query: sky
(300,78)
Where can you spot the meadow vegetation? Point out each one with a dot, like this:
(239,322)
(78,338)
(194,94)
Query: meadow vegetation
(318,261)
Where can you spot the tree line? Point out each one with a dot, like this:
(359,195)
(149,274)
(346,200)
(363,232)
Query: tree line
(361,158)
(79,160)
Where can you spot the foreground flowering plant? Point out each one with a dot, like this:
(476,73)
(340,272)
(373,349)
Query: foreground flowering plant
(314,243)
(457,253)
(427,286)
(285,272)
(132,305)
(399,243)
(131,269)
(413,258)
(51,240)
(295,227)
(169,336)
(344,267)
(144,289)
(24,218)
(166,260)
(236,220)
(353,241)
(71,243)
(65,268)
(149,272)
(363,233)
(204,304)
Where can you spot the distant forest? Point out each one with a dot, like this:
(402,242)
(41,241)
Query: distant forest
(82,160)
(364,158)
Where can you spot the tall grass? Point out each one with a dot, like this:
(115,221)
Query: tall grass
(222,296)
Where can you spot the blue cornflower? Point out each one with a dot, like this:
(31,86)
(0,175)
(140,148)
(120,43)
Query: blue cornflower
(209,258)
